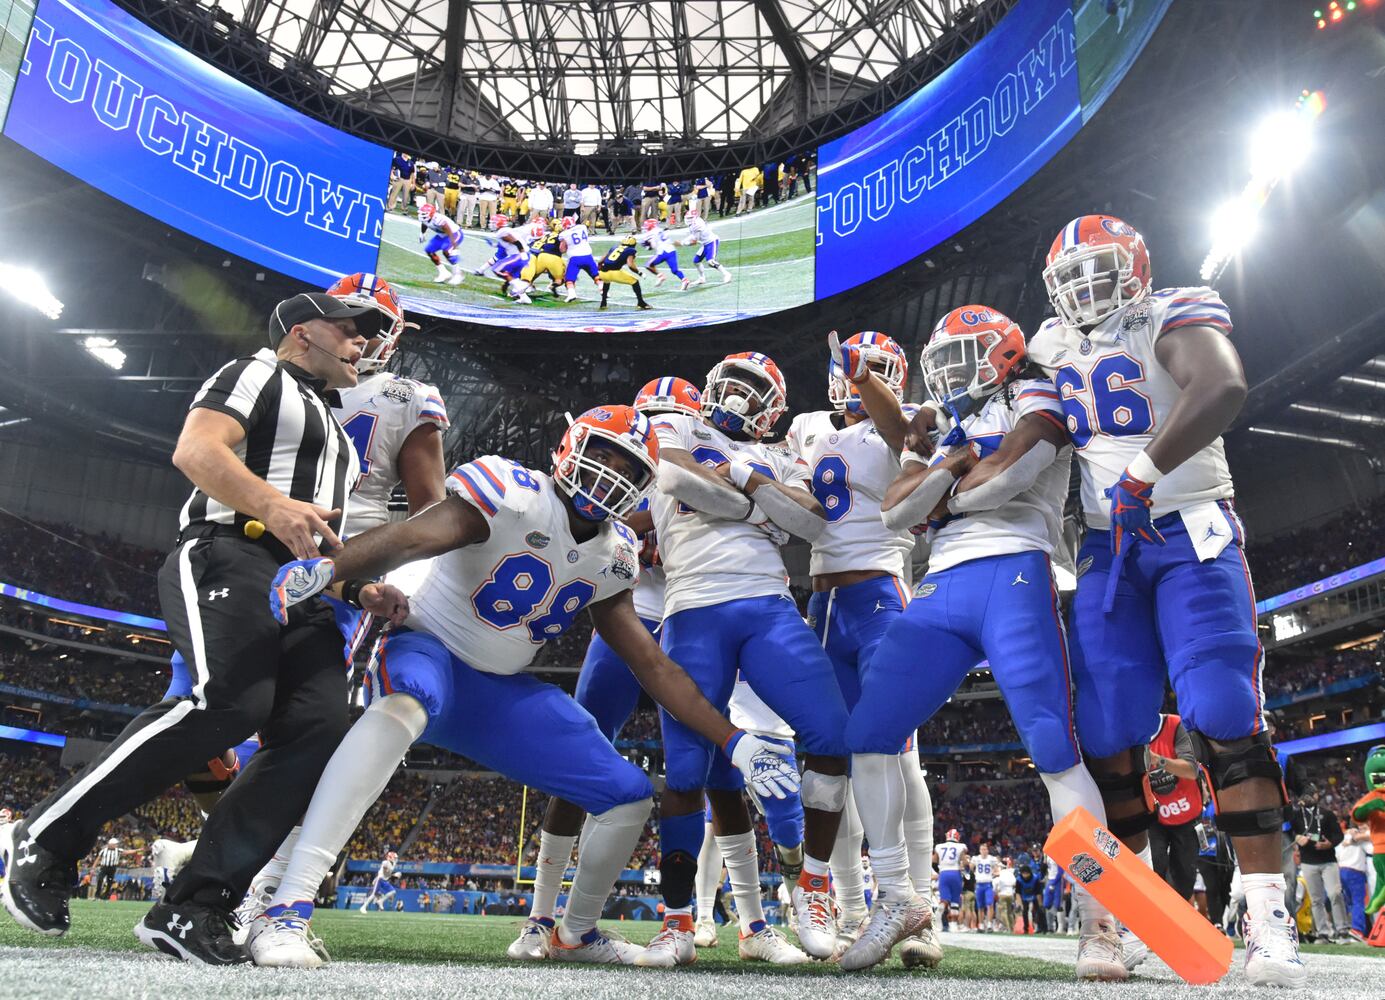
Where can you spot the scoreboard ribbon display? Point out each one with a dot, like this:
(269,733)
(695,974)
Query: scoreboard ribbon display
(113,102)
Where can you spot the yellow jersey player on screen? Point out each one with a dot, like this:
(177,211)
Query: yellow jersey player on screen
(619,267)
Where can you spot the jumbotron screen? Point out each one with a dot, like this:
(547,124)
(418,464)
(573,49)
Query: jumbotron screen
(106,98)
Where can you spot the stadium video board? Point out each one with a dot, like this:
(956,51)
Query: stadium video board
(113,102)
(15,18)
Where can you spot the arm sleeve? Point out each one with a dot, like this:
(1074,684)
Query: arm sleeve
(428,408)
(243,389)
(1193,307)
(701,494)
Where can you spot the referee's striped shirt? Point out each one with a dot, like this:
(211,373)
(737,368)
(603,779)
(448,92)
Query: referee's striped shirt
(292,440)
(110,857)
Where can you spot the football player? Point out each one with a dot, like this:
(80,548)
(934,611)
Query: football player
(517,555)
(578,248)
(858,571)
(441,237)
(992,495)
(701,234)
(510,259)
(984,867)
(382,889)
(546,255)
(619,267)
(665,251)
(1148,381)
(725,503)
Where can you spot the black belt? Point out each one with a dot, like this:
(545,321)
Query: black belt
(268,542)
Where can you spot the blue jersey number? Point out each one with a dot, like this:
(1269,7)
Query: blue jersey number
(518,591)
(1107,401)
(832,487)
(361,430)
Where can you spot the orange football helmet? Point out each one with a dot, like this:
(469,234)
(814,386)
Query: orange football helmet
(362,289)
(883,356)
(972,353)
(745,394)
(598,489)
(669,394)
(1096,265)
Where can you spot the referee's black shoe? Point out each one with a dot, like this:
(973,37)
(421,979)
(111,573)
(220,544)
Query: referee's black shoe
(37,884)
(192,932)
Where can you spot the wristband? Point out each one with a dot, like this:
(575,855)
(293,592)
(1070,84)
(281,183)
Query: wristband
(739,473)
(731,741)
(1141,467)
(351,592)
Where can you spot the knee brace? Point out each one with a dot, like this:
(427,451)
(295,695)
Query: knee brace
(1229,764)
(824,791)
(1120,788)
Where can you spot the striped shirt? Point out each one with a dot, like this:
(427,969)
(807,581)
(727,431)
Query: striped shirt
(292,439)
(110,857)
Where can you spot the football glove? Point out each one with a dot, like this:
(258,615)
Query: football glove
(850,357)
(296,582)
(768,767)
(1130,516)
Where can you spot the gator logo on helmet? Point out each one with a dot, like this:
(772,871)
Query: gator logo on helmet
(1118,228)
(974,317)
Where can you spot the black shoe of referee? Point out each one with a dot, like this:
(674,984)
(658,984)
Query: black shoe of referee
(37,884)
(192,932)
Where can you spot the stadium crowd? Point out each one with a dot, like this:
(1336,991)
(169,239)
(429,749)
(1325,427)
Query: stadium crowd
(64,561)
(1285,676)
(1349,538)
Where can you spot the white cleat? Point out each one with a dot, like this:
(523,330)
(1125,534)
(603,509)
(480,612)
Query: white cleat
(705,933)
(571,296)
(684,286)
(533,940)
(525,300)
(1100,953)
(1272,950)
(284,939)
(1133,950)
(457,277)
(814,921)
(848,930)
(888,924)
(725,276)
(442,275)
(922,950)
(595,948)
(254,903)
(699,280)
(768,945)
(673,945)
(660,279)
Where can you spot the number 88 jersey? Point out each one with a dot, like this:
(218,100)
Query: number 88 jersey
(851,468)
(494,604)
(1115,395)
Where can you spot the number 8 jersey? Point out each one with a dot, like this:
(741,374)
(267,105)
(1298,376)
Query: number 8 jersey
(495,604)
(1115,394)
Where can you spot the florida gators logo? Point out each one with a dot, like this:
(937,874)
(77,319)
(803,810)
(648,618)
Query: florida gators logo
(600,414)
(1117,228)
(694,394)
(973,317)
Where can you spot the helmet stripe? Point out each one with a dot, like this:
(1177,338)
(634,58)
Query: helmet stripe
(1070,234)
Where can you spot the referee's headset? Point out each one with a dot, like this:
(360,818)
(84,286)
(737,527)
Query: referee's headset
(304,338)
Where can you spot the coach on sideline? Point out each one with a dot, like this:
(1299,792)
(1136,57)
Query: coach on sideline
(259,444)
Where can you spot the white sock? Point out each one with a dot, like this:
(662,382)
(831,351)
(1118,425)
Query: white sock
(708,874)
(848,880)
(1067,790)
(1264,892)
(555,852)
(743,865)
(273,870)
(918,823)
(608,841)
(1146,855)
(878,790)
(352,781)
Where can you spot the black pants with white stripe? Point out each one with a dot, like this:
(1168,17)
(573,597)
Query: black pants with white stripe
(249,675)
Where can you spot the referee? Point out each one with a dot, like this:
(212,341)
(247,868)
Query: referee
(261,443)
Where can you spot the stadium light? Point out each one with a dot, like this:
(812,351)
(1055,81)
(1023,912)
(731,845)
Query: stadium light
(104,350)
(28,286)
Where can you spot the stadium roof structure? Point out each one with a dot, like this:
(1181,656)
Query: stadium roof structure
(582,87)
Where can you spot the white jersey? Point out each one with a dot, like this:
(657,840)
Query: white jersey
(520,245)
(386,870)
(699,231)
(170,855)
(851,467)
(658,241)
(441,225)
(495,604)
(1116,395)
(649,593)
(950,856)
(1032,520)
(1005,882)
(747,711)
(710,560)
(578,241)
(984,867)
(378,414)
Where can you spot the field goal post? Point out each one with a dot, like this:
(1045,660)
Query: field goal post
(522,839)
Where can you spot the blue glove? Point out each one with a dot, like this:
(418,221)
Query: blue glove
(1130,517)
(296,582)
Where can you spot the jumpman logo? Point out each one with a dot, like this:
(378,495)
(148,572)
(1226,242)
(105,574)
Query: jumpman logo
(1019,578)
(1212,532)
(879,606)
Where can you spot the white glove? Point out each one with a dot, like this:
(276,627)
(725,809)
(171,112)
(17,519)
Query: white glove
(296,582)
(772,531)
(768,768)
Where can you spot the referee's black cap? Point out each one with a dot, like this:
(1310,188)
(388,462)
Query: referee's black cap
(319,305)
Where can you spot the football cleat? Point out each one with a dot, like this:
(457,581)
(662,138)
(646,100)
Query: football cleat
(256,901)
(457,277)
(725,276)
(922,950)
(1272,957)
(36,885)
(191,932)
(684,286)
(1133,950)
(889,923)
(1099,952)
(673,945)
(532,943)
(705,933)
(659,279)
(699,280)
(595,948)
(282,938)
(442,276)
(768,945)
(813,919)
(848,930)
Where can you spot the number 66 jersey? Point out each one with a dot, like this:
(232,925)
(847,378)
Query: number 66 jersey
(1115,394)
(495,604)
